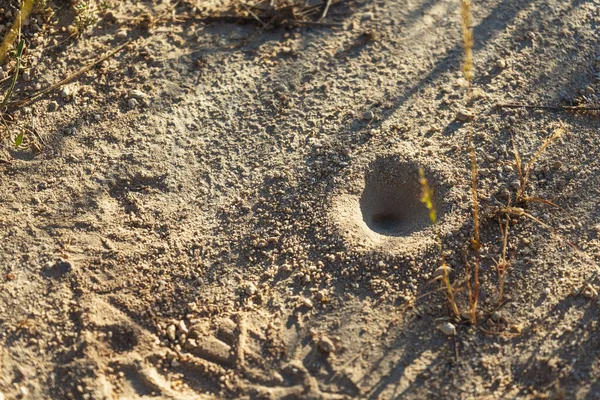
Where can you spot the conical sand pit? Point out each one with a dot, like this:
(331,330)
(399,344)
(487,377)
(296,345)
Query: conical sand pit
(377,205)
(390,202)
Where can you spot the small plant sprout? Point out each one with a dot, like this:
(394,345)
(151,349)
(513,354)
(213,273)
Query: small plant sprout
(84,19)
(427,196)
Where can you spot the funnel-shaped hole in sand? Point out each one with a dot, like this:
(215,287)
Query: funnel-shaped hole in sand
(390,203)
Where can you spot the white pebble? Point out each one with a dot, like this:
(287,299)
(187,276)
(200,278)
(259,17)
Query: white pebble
(447,329)
(182,327)
(137,94)
(122,34)
(250,288)
(171,332)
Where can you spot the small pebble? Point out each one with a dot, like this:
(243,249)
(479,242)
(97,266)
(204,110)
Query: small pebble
(122,34)
(464,116)
(516,184)
(368,115)
(556,165)
(132,103)
(496,316)
(501,63)
(250,289)
(182,327)
(526,241)
(326,345)
(171,332)
(66,92)
(138,94)
(26,76)
(367,16)
(52,106)
(447,329)
(306,302)
(191,344)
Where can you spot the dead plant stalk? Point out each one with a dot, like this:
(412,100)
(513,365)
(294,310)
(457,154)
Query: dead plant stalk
(467,33)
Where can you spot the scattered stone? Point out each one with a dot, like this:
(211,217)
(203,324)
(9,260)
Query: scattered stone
(464,116)
(250,289)
(501,64)
(306,302)
(52,106)
(368,115)
(496,316)
(326,345)
(526,241)
(122,34)
(556,165)
(447,329)
(367,16)
(182,326)
(171,332)
(175,363)
(516,184)
(132,103)
(66,92)
(26,76)
(191,344)
(138,94)
(322,297)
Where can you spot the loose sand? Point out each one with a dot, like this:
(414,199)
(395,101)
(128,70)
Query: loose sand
(225,211)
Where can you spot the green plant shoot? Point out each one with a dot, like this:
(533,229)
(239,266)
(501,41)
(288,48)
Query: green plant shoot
(427,196)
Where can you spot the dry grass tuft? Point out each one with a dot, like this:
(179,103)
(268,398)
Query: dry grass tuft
(442,273)
(524,172)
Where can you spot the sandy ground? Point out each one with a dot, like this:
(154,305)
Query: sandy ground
(225,211)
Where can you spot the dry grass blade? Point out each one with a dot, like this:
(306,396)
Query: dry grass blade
(502,265)
(476,244)
(467,31)
(519,166)
(524,172)
(557,133)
